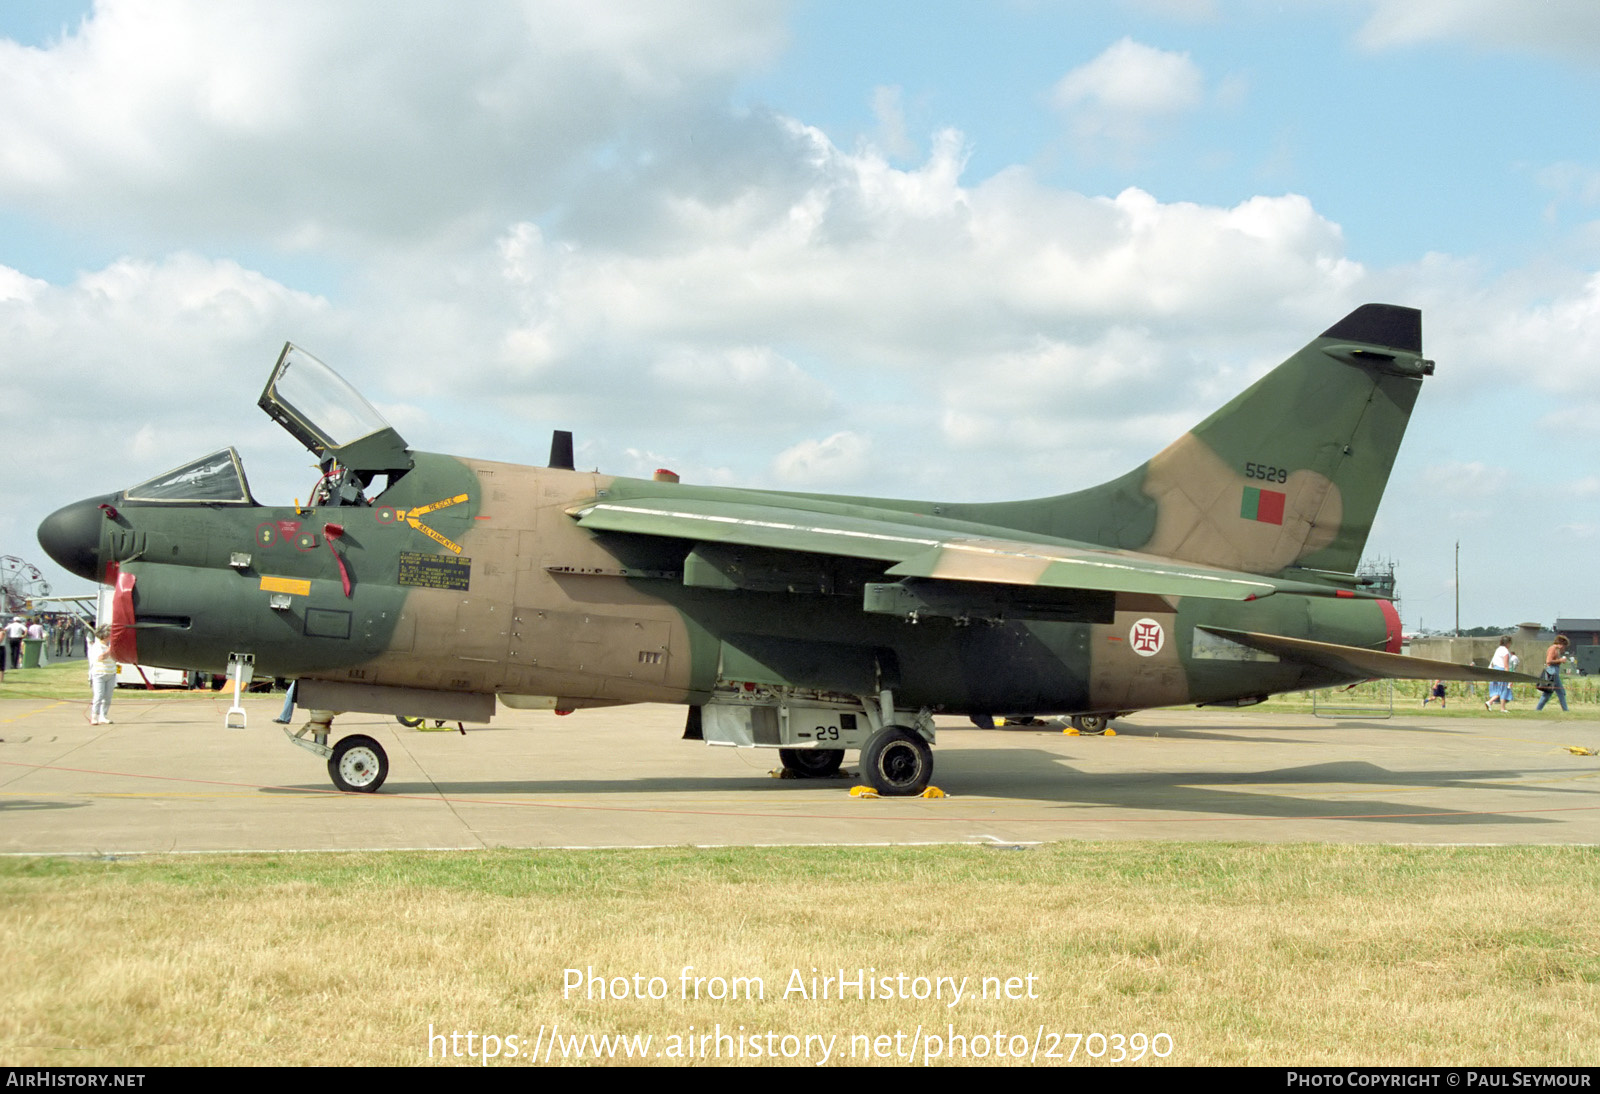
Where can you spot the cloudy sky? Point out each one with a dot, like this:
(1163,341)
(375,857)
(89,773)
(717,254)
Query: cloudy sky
(949,250)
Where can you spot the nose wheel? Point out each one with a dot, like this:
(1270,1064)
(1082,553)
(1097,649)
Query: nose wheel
(358,765)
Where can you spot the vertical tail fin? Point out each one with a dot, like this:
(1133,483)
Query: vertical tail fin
(1288,473)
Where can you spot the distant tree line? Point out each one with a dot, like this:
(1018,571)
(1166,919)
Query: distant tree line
(1471,632)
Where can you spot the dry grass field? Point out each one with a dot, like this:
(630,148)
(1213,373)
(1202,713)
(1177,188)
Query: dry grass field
(1237,954)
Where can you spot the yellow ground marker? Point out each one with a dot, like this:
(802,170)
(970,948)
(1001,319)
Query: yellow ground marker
(868,792)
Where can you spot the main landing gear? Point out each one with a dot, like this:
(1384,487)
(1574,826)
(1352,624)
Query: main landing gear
(812,763)
(897,762)
(812,731)
(1091,724)
(357,764)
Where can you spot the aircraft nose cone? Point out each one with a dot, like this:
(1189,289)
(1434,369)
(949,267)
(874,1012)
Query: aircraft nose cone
(71,536)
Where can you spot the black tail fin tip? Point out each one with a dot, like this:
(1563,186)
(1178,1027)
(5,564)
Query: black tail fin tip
(1387,325)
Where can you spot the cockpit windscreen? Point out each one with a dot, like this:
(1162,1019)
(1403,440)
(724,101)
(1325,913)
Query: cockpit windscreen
(217,479)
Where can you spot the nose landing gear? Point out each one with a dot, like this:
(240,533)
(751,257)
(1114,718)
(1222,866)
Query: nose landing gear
(358,764)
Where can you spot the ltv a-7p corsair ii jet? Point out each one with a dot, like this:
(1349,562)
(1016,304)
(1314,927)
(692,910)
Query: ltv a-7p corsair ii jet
(1219,572)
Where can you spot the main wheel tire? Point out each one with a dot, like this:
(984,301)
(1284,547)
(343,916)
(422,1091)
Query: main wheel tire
(358,764)
(897,762)
(1091,724)
(812,763)
(408,721)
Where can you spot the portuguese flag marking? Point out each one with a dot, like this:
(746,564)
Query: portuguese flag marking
(1263,505)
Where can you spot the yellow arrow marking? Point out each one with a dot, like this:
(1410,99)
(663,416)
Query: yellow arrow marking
(443,541)
(410,517)
(431,506)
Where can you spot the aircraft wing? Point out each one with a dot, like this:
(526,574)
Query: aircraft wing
(1355,661)
(924,550)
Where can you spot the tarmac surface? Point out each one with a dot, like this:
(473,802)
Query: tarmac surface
(167,777)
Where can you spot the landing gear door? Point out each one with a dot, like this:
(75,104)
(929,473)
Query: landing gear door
(323,412)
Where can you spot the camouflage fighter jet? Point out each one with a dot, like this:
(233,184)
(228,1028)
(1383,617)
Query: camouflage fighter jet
(1218,573)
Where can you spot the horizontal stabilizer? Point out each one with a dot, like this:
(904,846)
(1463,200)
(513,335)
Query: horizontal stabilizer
(1355,661)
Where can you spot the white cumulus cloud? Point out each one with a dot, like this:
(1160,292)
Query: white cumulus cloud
(1121,98)
(1565,27)
(836,461)
(311,123)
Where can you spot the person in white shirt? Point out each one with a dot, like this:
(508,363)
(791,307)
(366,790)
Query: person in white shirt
(102,676)
(16,630)
(1499,691)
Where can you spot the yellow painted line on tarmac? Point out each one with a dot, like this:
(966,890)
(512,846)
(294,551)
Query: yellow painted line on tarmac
(254,796)
(32,713)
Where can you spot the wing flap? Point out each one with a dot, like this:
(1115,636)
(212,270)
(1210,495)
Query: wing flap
(1008,562)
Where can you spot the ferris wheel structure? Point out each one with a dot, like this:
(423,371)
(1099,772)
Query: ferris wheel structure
(20,582)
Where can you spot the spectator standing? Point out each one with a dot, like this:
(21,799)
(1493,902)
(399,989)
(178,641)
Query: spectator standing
(16,631)
(102,676)
(1500,690)
(1550,679)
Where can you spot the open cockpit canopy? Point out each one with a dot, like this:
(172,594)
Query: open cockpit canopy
(322,411)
